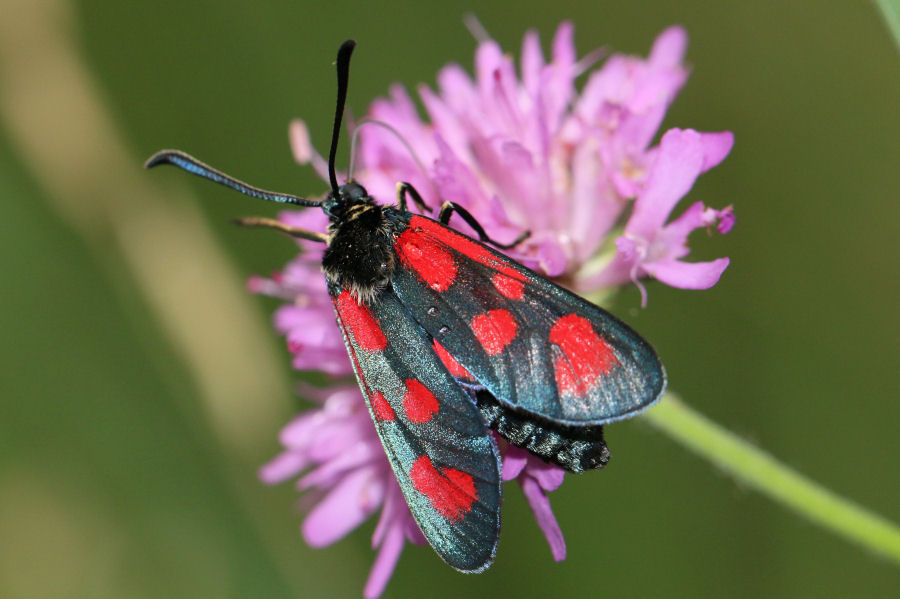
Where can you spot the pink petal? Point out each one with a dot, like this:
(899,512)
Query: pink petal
(301,272)
(454,179)
(457,89)
(688,275)
(532,61)
(307,219)
(298,432)
(677,166)
(677,231)
(498,223)
(551,258)
(502,105)
(403,109)
(716,147)
(517,174)
(391,510)
(628,250)
(488,61)
(540,506)
(635,127)
(384,565)
(343,509)
(593,208)
(285,465)
(514,462)
(657,80)
(311,220)
(560,89)
(265,286)
(548,476)
(627,186)
(336,461)
(608,86)
(298,134)
(564,44)
(446,122)
(669,47)
(302,149)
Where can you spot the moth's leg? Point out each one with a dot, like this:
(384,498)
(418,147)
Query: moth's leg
(449,208)
(271,223)
(405,189)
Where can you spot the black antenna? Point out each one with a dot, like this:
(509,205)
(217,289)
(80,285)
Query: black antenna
(195,167)
(343,75)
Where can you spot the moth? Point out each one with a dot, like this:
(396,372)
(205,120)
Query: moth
(450,338)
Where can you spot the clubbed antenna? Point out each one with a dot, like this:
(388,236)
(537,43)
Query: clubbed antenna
(343,76)
(195,167)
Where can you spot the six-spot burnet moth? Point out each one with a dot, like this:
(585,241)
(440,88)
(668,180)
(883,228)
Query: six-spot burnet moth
(448,338)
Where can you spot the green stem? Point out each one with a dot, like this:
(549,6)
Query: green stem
(757,468)
(890,11)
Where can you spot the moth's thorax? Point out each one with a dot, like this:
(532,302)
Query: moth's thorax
(360,254)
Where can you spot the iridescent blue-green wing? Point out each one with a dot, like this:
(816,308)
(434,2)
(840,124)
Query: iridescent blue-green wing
(537,348)
(433,434)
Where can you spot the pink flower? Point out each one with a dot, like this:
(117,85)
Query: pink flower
(532,154)
(523,152)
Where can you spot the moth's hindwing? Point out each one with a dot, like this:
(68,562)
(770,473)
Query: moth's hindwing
(533,345)
(435,439)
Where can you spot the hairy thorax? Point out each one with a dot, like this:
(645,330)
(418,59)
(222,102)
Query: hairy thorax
(360,255)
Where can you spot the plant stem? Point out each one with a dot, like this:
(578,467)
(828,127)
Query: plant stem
(890,11)
(766,474)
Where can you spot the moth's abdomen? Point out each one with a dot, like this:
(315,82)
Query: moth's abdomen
(574,448)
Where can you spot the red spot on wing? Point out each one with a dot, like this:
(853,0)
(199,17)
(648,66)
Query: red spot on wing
(455,369)
(585,355)
(449,237)
(451,492)
(381,408)
(442,236)
(419,402)
(429,258)
(360,323)
(494,330)
(508,287)
(566,380)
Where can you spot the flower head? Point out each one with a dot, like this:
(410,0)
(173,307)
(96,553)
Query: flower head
(531,154)
(524,152)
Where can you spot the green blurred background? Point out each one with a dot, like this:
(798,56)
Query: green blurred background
(142,386)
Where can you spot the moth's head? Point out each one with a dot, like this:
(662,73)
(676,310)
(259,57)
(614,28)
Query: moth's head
(348,195)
